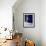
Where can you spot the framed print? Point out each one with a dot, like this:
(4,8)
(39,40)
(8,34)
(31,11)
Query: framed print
(29,20)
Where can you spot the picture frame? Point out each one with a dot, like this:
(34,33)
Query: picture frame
(28,20)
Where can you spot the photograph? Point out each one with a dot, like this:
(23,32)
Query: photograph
(29,20)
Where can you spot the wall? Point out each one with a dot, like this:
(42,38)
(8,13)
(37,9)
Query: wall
(6,13)
(6,16)
(29,6)
(43,22)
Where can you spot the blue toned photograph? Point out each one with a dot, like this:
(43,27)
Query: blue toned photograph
(29,20)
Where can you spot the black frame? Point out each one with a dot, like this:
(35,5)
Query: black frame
(33,14)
